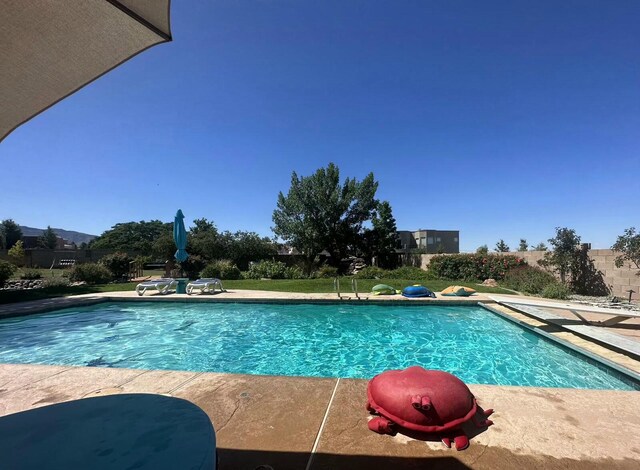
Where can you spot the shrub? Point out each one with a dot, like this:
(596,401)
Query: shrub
(473,266)
(267,269)
(6,271)
(556,291)
(192,266)
(528,279)
(221,269)
(117,264)
(409,272)
(31,275)
(56,282)
(16,253)
(296,272)
(91,273)
(326,271)
(372,272)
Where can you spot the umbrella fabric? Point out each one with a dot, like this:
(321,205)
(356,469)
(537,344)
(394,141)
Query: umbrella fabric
(180,236)
(52,48)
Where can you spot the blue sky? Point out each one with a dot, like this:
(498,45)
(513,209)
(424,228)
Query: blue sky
(502,119)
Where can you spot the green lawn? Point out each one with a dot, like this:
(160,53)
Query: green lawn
(278,285)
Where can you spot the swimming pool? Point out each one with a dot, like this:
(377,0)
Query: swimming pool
(322,340)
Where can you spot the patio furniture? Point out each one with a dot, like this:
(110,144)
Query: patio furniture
(163,286)
(205,286)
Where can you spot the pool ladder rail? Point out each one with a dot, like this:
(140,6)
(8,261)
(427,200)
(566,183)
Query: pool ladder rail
(354,289)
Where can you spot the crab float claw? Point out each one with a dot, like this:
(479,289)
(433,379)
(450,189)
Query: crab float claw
(430,403)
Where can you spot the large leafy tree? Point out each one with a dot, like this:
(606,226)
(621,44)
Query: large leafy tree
(320,213)
(132,236)
(565,253)
(11,233)
(628,245)
(382,239)
(48,239)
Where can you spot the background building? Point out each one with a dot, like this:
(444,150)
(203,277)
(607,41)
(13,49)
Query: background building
(429,241)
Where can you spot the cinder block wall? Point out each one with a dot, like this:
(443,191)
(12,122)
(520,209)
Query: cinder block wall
(619,280)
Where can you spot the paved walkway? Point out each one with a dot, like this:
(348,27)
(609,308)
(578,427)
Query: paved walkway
(310,423)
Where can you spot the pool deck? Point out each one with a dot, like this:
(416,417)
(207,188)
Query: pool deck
(311,423)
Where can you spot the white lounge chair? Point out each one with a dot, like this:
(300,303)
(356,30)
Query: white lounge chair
(206,285)
(164,285)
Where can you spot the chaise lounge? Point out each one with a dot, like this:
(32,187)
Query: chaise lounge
(163,286)
(205,286)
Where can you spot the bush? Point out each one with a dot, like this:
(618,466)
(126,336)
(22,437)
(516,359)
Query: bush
(409,272)
(326,271)
(117,264)
(91,273)
(6,271)
(528,279)
(295,272)
(473,266)
(221,269)
(31,275)
(267,269)
(56,282)
(16,253)
(192,266)
(372,272)
(556,291)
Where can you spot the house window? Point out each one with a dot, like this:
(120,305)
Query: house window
(455,239)
(438,239)
(430,240)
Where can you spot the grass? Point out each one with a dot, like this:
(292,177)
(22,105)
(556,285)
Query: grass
(277,285)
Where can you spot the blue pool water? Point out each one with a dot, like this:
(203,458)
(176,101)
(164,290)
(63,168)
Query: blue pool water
(334,340)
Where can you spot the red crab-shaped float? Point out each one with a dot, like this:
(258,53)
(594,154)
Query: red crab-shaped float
(429,402)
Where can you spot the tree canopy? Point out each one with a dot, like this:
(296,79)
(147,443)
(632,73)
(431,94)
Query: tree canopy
(319,213)
(48,239)
(502,247)
(10,233)
(565,252)
(132,236)
(628,245)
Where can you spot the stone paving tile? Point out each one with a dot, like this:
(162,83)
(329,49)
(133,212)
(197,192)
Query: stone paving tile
(15,376)
(534,428)
(71,384)
(261,420)
(150,381)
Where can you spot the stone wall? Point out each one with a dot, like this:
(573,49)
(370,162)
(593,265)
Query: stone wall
(618,280)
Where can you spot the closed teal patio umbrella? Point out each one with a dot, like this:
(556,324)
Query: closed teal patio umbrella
(180,237)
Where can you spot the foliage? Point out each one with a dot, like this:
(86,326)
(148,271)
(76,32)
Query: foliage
(192,266)
(48,239)
(319,213)
(482,250)
(540,247)
(267,269)
(326,271)
(295,272)
(556,291)
(565,253)
(372,272)
(56,282)
(16,253)
(31,275)
(528,279)
(221,269)
(382,239)
(164,247)
(472,266)
(501,246)
(523,246)
(629,245)
(6,271)
(133,236)
(91,273)
(10,233)
(117,263)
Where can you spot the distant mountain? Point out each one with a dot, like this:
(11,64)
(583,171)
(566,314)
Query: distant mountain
(69,235)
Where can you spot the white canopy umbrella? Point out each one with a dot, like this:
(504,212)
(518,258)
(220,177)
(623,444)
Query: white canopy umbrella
(52,48)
